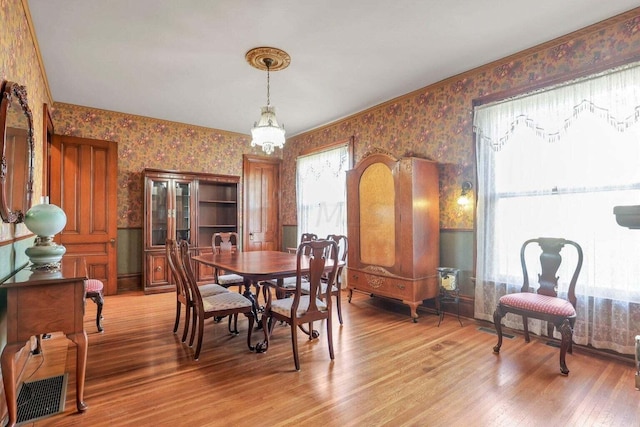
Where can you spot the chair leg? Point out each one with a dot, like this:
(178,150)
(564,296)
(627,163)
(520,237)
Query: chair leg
(233,331)
(330,337)
(567,335)
(497,319)
(100,302)
(339,305)
(187,318)
(196,355)
(572,323)
(251,320)
(194,316)
(98,299)
(294,344)
(178,312)
(525,324)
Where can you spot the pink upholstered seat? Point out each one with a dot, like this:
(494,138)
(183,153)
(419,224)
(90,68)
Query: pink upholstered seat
(94,291)
(539,304)
(94,285)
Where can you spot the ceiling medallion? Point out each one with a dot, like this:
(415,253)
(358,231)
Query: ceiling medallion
(279,58)
(266,132)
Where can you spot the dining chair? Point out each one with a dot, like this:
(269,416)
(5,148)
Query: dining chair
(289,283)
(94,290)
(224,304)
(302,309)
(183,297)
(336,286)
(221,243)
(545,303)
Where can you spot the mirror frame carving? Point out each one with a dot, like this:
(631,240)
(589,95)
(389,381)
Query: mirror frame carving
(15,96)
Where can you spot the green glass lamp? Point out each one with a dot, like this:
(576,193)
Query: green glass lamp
(45,221)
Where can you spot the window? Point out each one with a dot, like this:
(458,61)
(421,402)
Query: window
(554,164)
(321,191)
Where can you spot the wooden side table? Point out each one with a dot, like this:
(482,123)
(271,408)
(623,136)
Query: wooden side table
(43,302)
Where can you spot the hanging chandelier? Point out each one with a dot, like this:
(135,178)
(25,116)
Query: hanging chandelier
(266,132)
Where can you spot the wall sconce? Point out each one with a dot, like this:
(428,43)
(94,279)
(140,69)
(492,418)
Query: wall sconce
(464,198)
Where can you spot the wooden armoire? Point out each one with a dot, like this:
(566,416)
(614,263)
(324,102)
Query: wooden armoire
(393,228)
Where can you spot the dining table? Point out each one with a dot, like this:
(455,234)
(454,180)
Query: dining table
(256,267)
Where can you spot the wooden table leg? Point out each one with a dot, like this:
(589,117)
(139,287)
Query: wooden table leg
(7,363)
(80,339)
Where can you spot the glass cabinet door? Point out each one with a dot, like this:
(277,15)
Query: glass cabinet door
(159,212)
(183,211)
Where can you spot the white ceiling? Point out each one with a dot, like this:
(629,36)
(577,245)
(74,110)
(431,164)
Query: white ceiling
(184,60)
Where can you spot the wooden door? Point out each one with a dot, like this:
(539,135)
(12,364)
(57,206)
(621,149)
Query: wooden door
(84,184)
(261,187)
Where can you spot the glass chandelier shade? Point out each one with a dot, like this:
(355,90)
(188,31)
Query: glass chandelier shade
(266,132)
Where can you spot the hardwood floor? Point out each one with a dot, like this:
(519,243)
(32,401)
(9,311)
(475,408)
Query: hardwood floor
(388,371)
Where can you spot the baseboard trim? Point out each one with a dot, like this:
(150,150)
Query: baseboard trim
(129,282)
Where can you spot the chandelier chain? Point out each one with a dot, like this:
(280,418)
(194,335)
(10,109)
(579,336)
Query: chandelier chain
(267,62)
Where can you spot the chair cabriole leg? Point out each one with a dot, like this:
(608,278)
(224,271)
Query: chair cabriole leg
(567,335)
(497,318)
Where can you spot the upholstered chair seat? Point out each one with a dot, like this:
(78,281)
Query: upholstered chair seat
(230,279)
(283,306)
(211,289)
(539,304)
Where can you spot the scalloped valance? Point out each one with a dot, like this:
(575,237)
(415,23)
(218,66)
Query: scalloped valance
(613,97)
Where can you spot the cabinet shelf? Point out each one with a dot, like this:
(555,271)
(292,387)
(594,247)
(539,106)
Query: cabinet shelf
(184,205)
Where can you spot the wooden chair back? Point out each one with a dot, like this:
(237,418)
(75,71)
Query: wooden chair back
(308,237)
(550,260)
(225,242)
(173,259)
(318,253)
(343,247)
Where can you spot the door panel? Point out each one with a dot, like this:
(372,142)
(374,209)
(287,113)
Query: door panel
(261,203)
(84,185)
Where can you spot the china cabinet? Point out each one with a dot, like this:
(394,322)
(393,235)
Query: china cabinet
(393,228)
(184,206)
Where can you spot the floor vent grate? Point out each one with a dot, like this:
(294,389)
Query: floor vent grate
(41,398)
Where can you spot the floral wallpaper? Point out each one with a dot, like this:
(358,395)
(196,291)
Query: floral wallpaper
(19,63)
(151,143)
(436,122)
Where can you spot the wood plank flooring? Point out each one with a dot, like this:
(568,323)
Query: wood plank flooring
(388,371)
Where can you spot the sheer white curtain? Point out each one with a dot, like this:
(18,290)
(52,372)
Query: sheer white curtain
(321,192)
(554,164)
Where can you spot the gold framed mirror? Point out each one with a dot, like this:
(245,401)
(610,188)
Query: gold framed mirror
(17,149)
